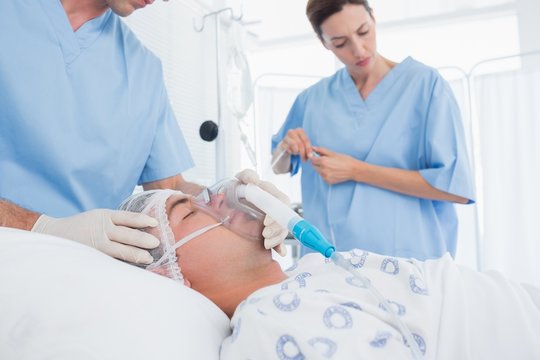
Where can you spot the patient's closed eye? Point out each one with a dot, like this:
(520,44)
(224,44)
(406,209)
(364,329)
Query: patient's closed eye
(180,211)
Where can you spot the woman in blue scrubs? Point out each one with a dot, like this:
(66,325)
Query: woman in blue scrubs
(381,144)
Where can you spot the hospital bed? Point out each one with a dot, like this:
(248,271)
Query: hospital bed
(62,300)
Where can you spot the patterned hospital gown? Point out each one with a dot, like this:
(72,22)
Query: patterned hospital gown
(322,312)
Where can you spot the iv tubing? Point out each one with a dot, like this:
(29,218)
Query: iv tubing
(340,261)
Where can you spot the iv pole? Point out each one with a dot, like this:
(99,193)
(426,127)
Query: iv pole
(220,170)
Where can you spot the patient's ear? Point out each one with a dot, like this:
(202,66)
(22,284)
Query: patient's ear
(187,283)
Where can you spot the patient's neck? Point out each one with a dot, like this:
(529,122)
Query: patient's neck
(238,286)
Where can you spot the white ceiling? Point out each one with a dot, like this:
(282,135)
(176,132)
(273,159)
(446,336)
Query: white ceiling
(272,20)
(276,19)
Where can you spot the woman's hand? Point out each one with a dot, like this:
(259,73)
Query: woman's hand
(296,142)
(334,167)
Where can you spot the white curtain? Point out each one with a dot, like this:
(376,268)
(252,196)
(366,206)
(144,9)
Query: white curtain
(467,246)
(508,116)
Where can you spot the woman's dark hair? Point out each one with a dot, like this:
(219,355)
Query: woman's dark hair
(318,11)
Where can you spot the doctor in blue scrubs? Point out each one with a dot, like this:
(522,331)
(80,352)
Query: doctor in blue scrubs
(380,144)
(84,118)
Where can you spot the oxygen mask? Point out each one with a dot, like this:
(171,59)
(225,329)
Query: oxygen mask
(223,203)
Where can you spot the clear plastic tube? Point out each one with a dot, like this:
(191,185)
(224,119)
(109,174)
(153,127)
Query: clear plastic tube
(330,223)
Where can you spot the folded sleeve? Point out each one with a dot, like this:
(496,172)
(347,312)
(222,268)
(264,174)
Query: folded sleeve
(447,166)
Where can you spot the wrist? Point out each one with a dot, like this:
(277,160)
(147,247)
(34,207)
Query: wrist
(360,169)
(40,223)
(14,216)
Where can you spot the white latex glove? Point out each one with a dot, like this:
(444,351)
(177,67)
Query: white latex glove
(273,233)
(113,232)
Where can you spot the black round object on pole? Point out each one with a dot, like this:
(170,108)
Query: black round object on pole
(208,130)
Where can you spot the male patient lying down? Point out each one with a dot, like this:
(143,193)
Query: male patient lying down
(317,310)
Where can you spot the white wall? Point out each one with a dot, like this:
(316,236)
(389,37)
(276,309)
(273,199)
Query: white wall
(528,12)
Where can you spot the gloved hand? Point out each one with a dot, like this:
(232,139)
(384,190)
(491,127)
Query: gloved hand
(273,233)
(113,232)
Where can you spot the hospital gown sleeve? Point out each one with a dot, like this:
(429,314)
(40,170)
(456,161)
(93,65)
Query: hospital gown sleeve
(294,120)
(169,154)
(446,159)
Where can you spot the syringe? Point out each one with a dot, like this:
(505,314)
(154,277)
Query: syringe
(278,157)
(283,152)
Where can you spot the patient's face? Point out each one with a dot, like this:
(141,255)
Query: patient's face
(209,251)
(184,218)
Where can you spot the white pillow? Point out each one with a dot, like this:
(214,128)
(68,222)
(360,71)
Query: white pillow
(62,300)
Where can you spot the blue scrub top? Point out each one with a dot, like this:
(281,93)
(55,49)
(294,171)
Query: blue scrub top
(84,116)
(410,121)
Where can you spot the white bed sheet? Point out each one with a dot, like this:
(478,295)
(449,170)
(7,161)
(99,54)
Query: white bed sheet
(62,300)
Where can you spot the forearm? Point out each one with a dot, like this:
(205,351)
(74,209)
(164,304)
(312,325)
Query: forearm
(15,216)
(190,188)
(408,182)
(176,182)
